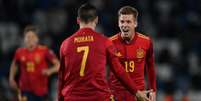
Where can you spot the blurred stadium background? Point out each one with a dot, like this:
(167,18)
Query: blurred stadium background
(174,25)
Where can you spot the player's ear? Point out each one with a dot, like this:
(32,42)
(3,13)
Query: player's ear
(78,20)
(136,24)
(118,23)
(96,20)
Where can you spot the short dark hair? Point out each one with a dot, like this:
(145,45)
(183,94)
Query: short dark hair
(31,28)
(128,10)
(87,13)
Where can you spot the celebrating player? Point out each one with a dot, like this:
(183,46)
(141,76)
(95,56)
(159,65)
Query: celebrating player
(136,54)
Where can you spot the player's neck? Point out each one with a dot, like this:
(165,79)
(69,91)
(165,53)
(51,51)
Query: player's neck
(132,37)
(31,48)
(89,25)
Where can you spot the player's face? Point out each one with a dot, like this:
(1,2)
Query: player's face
(31,39)
(127,24)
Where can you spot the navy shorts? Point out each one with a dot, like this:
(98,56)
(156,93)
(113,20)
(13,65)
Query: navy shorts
(29,96)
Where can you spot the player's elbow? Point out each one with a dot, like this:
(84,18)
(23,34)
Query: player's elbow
(56,65)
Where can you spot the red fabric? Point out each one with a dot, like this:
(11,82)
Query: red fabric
(93,86)
(31,64)
(135,56)
(124,96)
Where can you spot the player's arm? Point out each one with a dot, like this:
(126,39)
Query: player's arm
(61,79)
(151,72)
(55,64)
(12,74)
(61,73)
(53,69)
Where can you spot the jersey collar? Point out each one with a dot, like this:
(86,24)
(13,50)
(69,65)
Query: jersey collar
(132,41)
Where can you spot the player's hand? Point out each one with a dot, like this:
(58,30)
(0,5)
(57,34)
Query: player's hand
(142,95)
(46,72)
(152,96)
(22,98)
(13,84)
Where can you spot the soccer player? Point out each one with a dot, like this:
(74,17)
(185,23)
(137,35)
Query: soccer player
(136,54)
(33,63)
(83,63)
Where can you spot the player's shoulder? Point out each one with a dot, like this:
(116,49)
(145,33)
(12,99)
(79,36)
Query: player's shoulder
(42,47)
(143,36)
(20,49)
(67,40)
(103,39)
(64,44)
(100,36)
(114,37)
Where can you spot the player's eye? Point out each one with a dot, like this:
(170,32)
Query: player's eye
(128,21)
(122,21)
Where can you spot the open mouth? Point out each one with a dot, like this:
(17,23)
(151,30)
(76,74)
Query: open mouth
(125,29)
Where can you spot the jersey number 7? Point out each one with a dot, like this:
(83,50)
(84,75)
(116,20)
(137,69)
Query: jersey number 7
(85,49)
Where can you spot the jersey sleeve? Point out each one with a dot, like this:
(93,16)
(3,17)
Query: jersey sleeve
(61,72)
(118,69)
(50,55)
(150,68)
(16,56)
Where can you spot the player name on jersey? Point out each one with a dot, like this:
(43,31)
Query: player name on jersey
(83,39)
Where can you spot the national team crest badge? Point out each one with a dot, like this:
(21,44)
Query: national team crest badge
(139,53)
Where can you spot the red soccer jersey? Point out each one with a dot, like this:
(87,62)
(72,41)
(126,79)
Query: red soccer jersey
(135,56)
(83,67)
(31,64)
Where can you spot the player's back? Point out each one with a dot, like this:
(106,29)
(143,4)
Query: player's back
(84,61)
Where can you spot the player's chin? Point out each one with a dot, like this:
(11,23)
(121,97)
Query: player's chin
(125,38)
